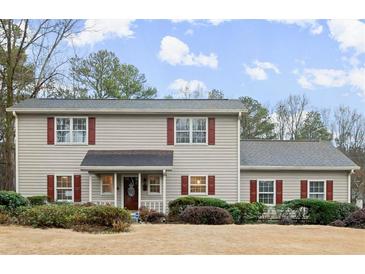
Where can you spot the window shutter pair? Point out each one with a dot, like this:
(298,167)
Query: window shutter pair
(51,188)
(51,131)
(185,185)
(304,189)
(278,190)
(171,131)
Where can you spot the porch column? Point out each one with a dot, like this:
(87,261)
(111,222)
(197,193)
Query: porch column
(90,188)
(115,190)
(139,190)
(164,192)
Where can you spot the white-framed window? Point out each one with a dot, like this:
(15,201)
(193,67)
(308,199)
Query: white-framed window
(198,185)
(317,189)
(266,192)
(191,130)
(71,130)
(64,188)
(154,184)
(106,182)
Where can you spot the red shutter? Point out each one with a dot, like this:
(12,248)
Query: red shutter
(211,131)
(329,190)
(184,185)
(50,188)
(77,188)
(279,191)
(50,130)
(92,126)
(211,185)
(253,191)
(170,131)
(303,189)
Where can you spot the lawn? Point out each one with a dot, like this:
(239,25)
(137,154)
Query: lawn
(187,239)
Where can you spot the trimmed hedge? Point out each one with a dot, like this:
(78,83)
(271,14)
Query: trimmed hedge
(315,211)
(37,200)
(11,200)
(243,213)
(176,207)
(208,215)
(81,218)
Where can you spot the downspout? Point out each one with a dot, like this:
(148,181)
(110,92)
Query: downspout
(239,157)
(16,154)
(349,185)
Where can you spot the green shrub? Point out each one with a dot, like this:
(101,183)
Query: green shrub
(60,216)
(208,215)
(243,213)
(101,215)
(81,218)
(176,207)
(315,211)
(11,200)
(37,200)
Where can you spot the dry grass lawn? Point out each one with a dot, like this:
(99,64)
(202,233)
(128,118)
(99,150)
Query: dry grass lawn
(187,239)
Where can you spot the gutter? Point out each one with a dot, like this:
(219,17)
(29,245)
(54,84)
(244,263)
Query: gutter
(16,153)
(280,168)
(349,186)
(121,111)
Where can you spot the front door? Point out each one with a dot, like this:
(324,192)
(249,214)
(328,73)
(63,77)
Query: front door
(130,192)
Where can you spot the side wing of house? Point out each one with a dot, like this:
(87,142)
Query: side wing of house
(273,172)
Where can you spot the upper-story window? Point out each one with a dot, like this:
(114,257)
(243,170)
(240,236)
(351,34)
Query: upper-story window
(191,130)
(71,130)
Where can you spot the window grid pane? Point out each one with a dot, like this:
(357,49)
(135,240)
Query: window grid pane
(71,130)
(182,130)
(266,192)
(198,184)
(199,130)
(107,183)
(64,188)
(154,184)
(316,190)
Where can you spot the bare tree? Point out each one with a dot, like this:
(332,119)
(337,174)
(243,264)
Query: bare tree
(349,129)
(281,118)
(23,76)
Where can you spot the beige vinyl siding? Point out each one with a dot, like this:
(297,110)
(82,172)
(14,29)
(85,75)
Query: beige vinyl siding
(291,182)
(37,159)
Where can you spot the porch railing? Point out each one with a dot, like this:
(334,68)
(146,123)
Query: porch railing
(152,204)
(104,202)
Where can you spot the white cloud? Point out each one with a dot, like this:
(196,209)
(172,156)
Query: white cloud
(213,22)
(259,70)
(189,89)
(189,32)
(176,52)
(349,34)
(313,25)
(95,31)
(333,78)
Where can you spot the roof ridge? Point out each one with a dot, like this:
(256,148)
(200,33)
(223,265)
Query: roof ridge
(284,141)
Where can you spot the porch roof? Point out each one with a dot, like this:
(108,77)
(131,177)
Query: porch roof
(115,160)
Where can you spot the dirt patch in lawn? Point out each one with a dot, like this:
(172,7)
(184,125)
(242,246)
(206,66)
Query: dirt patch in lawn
(187,239)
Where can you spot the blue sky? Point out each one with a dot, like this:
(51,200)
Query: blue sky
(267,60)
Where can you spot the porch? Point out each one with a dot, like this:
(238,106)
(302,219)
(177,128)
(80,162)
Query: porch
(128,179)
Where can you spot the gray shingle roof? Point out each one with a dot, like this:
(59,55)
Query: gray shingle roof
(142,105)
(294,154)
(128,158)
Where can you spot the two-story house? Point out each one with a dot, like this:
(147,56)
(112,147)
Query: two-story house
(134,153)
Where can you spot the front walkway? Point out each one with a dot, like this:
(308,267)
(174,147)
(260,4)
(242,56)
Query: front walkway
(187,239)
